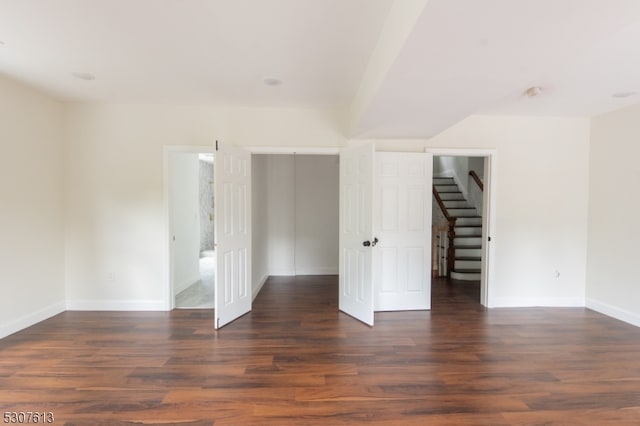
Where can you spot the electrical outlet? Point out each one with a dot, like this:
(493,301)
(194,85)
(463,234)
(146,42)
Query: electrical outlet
(111,277)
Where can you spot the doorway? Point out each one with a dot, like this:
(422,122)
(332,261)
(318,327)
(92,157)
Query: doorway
(295,207)
(466,259)
(192,234)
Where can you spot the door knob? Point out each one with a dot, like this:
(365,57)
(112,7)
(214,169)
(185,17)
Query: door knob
(370,243)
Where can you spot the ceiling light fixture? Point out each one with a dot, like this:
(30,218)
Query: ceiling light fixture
(533,91)
(272,81)
(83,76)
(623,94)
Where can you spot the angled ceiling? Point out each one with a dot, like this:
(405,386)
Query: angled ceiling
(404,68)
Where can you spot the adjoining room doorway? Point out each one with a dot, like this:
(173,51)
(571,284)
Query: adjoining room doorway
(465,182)
(192,238)
(457,224)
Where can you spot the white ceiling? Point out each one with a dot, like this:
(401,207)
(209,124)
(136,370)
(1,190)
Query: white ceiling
(462,57)
(192,51)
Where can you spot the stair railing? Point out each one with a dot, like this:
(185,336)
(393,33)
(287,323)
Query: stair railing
(451,233)
(477,179)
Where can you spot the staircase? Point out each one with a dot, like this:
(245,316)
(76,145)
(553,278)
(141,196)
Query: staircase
(467,242)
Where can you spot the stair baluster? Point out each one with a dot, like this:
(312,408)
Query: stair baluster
(451,232)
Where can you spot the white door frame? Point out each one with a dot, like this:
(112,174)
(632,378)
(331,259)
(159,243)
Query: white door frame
(488,213)
(169,296)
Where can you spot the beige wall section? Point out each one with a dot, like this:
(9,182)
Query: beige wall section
(31,212)
(302,214)
(541,202)
(184,207)
(115,215)
(317,214)
(614,208)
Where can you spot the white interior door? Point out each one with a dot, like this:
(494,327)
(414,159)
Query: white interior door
(232,173)
(402,223)
(356,220)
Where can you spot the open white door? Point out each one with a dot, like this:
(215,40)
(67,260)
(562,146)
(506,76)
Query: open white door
(356,224)
(232,173)
(402,220)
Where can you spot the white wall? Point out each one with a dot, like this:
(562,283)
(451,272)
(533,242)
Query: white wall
(116,216)
(281,214)
(302,214)
(184,197)
(31,207)
(317,215)
(541,201)
(115,212)
(614,209)
(474,192)
(259,224)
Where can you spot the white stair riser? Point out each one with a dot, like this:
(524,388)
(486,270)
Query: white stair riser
(446,196)
(450,204)
(462,212)
(443,180)
(465,276)
(467,264)
(467,241)
(447,188)
(468,252)
(468,232)
(463,221)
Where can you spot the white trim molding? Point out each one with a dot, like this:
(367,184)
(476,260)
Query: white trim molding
(292,150)
(614,312)
(116,305)
(257,289)
(534,302)
(33,318)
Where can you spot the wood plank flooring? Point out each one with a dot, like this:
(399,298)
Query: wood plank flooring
(296,360)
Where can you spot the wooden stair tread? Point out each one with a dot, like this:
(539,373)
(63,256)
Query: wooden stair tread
(467,247)
(469,258)
(467,271)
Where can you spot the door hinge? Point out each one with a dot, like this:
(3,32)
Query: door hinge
(489,238)
(216,145)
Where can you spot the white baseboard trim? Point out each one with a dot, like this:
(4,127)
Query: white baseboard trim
(33,318)
(317,271)
(614,312)
(283,273)
(257,289)
(568,302)
(116,305)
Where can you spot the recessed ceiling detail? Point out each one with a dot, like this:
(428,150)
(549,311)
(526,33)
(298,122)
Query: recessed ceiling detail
(272,81)
(623,94)
(533,91)
(83,76)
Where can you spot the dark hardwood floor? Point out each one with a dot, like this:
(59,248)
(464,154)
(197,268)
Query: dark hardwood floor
(296,360)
